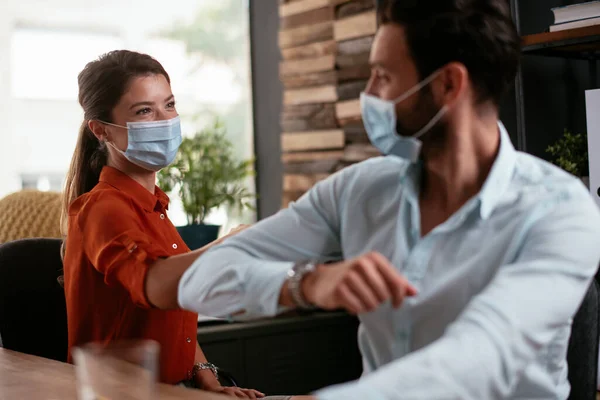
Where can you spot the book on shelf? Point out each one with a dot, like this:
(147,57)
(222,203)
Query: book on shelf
(576,12)
(575,24)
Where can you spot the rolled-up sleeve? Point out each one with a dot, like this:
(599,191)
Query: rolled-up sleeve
(487,349)
(244,276)
(116,245)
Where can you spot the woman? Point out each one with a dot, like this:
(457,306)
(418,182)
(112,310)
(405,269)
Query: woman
(116,222)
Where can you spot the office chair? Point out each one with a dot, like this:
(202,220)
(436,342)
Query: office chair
(33,311)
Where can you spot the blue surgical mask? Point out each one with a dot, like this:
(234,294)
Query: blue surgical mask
(151,145)
(379,118)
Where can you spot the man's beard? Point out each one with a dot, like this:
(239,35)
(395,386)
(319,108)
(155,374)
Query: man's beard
(424,111)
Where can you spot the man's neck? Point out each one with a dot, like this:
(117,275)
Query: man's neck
(456,170)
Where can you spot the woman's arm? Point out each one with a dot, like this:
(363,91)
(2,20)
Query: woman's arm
(205,379)
(163,276)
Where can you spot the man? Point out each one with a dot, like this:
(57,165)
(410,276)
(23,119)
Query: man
(464,259)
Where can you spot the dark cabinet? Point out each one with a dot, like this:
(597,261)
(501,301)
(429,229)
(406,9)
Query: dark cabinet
(286,355)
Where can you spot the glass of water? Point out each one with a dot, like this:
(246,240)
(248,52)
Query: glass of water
(124,370)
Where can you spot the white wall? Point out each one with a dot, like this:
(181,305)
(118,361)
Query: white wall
(9,158)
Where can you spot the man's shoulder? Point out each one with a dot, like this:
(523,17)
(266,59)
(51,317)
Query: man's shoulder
(376,169)
(530,169)
(537,179)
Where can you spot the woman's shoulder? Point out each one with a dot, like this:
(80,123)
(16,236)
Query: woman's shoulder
(102,198)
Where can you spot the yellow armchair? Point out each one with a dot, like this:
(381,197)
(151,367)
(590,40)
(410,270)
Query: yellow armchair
(29,214)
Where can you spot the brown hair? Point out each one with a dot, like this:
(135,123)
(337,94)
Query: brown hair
(480,34)
(101,85)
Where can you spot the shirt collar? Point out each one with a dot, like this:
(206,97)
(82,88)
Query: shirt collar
(125,184)
(500,175)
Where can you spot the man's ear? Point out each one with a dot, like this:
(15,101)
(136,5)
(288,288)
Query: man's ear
(98,129)
(454,81)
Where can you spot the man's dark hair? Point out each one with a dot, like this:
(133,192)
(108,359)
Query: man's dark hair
(477,33)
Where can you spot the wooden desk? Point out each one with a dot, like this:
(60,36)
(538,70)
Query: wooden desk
(27,377)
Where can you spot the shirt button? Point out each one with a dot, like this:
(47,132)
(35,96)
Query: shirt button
(189,340)
(174,245)
(162,216)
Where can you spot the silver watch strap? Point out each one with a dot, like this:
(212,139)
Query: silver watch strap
(204,366)
(295,276)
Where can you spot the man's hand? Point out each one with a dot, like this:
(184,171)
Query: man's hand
(358,285)
(237,392)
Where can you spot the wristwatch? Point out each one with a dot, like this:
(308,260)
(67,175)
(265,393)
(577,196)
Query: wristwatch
(295,276)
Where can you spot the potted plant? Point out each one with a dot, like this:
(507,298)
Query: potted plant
(570,152)
(207,175)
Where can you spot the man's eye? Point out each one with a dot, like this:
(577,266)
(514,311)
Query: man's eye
(382,76)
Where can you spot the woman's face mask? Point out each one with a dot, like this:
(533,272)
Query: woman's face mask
(151,145)
(379,118)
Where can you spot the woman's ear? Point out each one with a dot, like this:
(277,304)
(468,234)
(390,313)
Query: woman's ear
(98,129)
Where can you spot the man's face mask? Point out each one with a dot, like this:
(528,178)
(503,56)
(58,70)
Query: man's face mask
(379,118)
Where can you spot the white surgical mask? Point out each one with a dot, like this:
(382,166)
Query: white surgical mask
(379,118)
(151,145)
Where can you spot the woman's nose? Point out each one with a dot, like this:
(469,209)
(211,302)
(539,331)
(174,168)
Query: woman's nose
(162,115)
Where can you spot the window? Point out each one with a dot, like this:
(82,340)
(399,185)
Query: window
(45,62)
(203,45)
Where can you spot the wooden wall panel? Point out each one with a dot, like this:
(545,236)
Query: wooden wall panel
(309,17)
(308,112)
(297,67)
(305,35)
(349,109)
(312,50)
(310,79)
(319,94)
(314,140)
(325,47)
(357,26)
(312,156)
(350,8)
(301,6)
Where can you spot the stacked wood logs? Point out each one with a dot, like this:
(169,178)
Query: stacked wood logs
(325,47)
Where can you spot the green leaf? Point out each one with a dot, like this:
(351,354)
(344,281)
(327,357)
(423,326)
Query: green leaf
(570,153)
(207,174)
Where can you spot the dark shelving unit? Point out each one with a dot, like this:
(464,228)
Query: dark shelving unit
(575,44)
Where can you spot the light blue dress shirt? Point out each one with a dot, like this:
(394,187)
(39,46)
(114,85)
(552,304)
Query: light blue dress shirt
(499,281)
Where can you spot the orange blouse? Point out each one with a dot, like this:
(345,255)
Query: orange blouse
(115,232)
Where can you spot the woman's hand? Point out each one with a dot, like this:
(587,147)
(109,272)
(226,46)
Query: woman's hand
(232,232)
(237,392)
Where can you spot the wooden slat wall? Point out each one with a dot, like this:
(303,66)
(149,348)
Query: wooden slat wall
(325,47)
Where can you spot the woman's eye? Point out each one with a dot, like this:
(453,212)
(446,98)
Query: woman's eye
(143,111)
(171,104)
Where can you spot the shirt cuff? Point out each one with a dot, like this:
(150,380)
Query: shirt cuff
(131,270)
(263,284)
